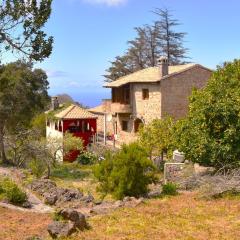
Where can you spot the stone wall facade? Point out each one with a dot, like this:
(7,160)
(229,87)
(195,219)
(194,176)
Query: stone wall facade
(147,109)
(176,90)
(168,97)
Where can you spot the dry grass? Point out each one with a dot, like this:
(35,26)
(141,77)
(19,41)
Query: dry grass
(16,225)
(182,217)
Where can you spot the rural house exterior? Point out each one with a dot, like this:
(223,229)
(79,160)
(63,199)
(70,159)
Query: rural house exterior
(73,119)
(148,94)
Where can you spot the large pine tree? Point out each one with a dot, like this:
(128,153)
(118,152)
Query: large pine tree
(152,41)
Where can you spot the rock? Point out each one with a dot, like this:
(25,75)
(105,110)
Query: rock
(74,216)
(61,229)
(67,195)
(50,199)
(154,194)
(119,204)
(53,194)
(126,199)
(43,185)
(27,204)
(97,202)
(89,198)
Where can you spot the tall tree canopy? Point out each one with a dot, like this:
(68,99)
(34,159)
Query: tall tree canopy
(23,93)
(152,41)
(210,135)
(21,24)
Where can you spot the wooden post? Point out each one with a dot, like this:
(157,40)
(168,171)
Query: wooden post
(105,129)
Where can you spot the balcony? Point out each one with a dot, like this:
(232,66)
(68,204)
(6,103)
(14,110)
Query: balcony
(121,108)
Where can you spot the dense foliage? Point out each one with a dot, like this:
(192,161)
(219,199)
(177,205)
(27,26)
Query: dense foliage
(126,173)
(210,135)
(87,158)
(169,189)
(11,191)
(21,28)
(23,93)
(156,137)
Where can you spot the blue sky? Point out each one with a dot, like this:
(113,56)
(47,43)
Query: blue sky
(90,33)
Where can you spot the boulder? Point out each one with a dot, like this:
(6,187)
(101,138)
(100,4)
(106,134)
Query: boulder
(75,217)
(119,204)
(42,185)
(154,194)
(87,199)
(50,198)
(61,229)
(27,204)
(67,195)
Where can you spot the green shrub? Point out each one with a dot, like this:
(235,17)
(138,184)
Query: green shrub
(37,167)
(169,189)
(57,217)
(12,192)
(86,158)
(125,173)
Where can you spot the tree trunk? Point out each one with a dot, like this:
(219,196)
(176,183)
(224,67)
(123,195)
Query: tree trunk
(2,147)
(162,156)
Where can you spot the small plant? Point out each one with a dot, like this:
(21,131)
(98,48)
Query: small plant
(12,192)
(86,158)
(37,167)
(169,189)
(57,217)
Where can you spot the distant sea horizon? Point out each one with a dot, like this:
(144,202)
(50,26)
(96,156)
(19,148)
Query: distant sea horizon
(89,98)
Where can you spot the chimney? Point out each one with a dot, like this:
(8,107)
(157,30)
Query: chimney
(54,103)
(163,66)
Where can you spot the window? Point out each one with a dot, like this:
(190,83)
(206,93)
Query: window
(124,125)
(145,94)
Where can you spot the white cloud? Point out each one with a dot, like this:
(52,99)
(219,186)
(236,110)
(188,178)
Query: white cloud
(110,3)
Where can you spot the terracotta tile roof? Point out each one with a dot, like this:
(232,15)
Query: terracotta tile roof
(150,74)
(75,112)
(98,109)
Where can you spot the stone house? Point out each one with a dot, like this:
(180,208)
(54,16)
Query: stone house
(151,93)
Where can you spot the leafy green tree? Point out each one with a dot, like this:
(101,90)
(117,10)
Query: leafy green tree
(23,93)
(38,123)
(156,137)
(21,28)
(210,135)
(127,173)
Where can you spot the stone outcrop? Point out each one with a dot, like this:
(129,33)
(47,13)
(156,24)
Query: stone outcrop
(53,194)
(72,221)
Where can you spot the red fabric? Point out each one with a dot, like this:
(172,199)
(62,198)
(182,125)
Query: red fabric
(85,136)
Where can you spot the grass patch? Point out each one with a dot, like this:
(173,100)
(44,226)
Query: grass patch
(69,171)
(181,217)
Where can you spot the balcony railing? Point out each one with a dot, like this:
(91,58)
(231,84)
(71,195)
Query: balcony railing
(121,108)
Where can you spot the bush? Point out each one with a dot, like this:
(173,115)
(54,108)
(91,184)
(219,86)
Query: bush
(12,192)
(125,173)
(86,158)
(37,167)
(169,189)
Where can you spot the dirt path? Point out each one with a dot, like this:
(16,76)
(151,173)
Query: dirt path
(37,205)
